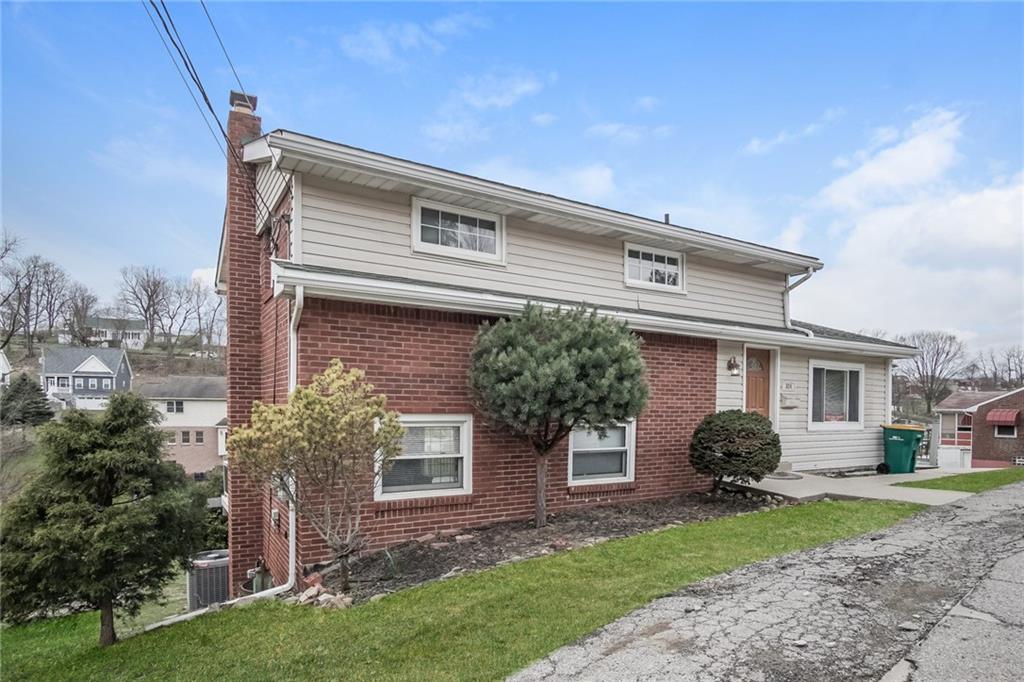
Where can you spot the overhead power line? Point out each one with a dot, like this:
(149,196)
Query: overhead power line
(222,48)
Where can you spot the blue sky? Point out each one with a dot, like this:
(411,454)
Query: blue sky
(884,139)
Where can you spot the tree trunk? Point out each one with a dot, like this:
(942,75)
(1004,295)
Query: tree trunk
(107,634)
(541,508)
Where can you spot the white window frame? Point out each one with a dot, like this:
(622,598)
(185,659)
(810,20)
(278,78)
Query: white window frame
(199,438)
(995,430)
(419,246)
(79,382)
(630,459)
(185,438)
(680,287)
(66,380)
(173,439)
(107,384)
(465,422)
(834,426)
(93,383)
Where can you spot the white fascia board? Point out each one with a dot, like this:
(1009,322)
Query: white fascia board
(355,288)
(319,151)
(256,151)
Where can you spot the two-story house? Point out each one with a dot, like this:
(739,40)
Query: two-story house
(112,331)
(331,251)
(192,408)
(84,378)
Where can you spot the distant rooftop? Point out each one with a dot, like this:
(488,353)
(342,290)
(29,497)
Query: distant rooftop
(64,359)
(186,388)
(964,400)
(125,323)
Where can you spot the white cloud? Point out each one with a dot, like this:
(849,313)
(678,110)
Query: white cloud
(150,161)
(543,120)
(388,45)
(205,275)
(791,238)
(453,131)
(757,145)
(916,249)
(627,133)
(591,182)
(498,90)
(646,103)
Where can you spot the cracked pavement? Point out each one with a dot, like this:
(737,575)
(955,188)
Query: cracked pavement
(848,610)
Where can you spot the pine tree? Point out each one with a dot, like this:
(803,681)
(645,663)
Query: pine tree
(23,403)
(106,525)
(546,372)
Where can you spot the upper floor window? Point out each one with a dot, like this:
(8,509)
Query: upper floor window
(835,395)
(455,231)
(654,268)
(175,406)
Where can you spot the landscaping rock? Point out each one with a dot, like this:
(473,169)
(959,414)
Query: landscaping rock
(450,532)
(324,599)
(314,579)
(463,538)
(378,597)
(338,602)
(909,626)
(310,594)
(440,545)
(424,539)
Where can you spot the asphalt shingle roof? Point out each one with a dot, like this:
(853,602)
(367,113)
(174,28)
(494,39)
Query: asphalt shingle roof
(186,387)
(64,359)
(962,400)
(830,333)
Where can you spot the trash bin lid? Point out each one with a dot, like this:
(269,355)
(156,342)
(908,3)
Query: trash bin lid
(903,427)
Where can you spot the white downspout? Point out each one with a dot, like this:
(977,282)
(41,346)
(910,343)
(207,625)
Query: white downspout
(293,356)
(785,304)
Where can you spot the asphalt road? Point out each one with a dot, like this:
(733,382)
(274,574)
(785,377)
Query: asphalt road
(851,610)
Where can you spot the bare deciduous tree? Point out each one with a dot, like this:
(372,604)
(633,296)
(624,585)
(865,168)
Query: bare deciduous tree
(143,290)
(940,360)
(176,313)
(80,305)
(209,311)
(53,291)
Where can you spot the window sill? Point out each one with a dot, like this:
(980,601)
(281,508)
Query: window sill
(837,426)
(589,489)
(452,499)
(662,288)
(467,259)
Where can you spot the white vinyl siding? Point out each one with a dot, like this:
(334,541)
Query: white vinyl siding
(729,388)
(271,184)
(366,230)
(810,449)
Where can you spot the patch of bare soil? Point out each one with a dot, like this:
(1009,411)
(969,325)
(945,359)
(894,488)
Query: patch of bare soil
(454,553)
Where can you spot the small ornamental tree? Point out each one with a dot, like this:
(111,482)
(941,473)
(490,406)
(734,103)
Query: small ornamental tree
(106,525)
(734,443)
(546,372)
(23,403)
(325,449)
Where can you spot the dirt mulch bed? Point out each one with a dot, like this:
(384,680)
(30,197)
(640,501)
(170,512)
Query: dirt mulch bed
(455,553)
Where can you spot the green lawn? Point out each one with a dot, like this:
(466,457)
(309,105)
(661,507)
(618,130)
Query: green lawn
(478,627)
(971,483)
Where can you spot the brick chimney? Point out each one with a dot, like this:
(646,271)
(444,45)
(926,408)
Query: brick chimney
(243,250)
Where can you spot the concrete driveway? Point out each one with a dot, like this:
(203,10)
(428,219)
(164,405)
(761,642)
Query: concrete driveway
(845,611)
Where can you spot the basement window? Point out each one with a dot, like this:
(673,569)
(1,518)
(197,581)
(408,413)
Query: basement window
(835,396)
(436,458)
(459,232)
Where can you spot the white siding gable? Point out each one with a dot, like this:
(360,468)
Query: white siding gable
(93,365)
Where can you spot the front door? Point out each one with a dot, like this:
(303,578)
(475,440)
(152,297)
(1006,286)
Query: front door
(759,381)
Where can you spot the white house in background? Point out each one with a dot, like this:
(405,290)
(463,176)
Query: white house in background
(82,377)
(194,410)
(5,369)
(111,331)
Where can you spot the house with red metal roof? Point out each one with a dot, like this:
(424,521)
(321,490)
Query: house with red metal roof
(981,428)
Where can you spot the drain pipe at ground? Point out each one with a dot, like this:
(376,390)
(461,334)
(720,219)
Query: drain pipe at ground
(785,304)
(293,333)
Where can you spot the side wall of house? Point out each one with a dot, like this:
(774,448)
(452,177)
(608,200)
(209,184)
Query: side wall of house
(367,230)
(985,445)
(420,360)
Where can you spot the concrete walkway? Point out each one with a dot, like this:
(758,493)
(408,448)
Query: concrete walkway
(849,610)
(873,487)
(981,638)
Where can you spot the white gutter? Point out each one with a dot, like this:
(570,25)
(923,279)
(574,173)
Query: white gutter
(785,303)
(293,330)
(353,287)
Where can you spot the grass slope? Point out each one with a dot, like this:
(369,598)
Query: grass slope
(977,482)
(478,627)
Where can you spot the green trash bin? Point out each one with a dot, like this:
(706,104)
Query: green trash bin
(901,443)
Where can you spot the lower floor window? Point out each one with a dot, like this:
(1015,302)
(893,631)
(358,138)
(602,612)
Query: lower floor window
(185,437)
(1006,430)
(435,459)
(199,437)
(835,394)
(593,458)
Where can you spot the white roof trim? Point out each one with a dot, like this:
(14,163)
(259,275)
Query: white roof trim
(330,153)
(92,365)
(343,286)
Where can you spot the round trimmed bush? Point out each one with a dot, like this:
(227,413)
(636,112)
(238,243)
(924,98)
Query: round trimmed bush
(741,445)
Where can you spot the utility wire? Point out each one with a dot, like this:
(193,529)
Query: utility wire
(222,48)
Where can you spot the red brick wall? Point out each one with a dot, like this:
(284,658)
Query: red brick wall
(244,382)
(420,359)
(985,444)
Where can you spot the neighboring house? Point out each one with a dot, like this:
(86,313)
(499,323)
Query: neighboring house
(111,331)
(193,408)
(392,265)
(82,377)
(5,369)
(981,428)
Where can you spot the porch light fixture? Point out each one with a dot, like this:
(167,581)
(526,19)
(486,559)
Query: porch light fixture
(733,366)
